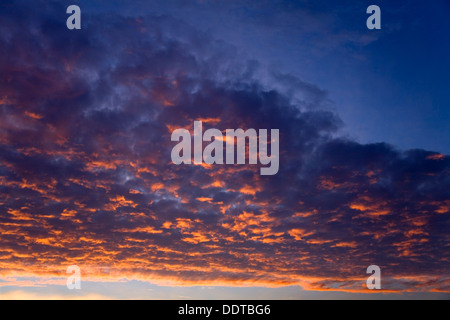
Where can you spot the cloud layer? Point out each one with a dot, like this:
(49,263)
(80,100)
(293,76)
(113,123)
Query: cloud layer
(86,176)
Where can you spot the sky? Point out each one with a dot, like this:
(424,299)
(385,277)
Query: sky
(86,176)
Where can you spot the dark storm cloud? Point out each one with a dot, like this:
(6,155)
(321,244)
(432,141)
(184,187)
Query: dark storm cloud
(86,175)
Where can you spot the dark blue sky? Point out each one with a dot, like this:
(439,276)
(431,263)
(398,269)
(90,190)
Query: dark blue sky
(390,85)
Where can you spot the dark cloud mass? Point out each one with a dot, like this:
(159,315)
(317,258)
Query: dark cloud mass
(86,176)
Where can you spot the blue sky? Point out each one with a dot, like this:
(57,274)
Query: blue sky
(140,290)
(388,85)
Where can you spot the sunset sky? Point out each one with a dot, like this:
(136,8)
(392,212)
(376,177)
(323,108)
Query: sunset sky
(86,176)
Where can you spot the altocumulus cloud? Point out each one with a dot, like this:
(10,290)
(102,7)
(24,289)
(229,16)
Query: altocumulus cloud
(86,176)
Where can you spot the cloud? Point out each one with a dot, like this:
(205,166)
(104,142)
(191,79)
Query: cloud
(86,176)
